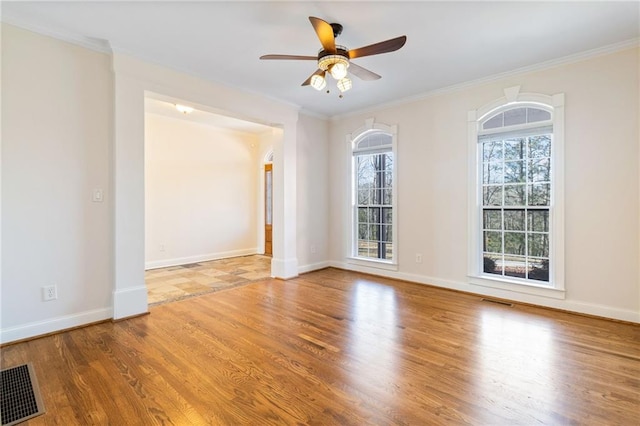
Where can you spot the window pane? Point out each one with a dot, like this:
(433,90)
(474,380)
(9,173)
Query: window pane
(492,151)
(514,220)
(514,149)
(538,220)
(515,266)
(492,196)
(514,172)
(539,269)
(494,122)
(374,232)
(514,195)
(388,162)
(362,214)
(374,215)
(386,233)
(515,116)
(514,243)
(492,263)
(493,241)
(540,170)
(492,173)
(539,245)
(389,250)
(540,146)
(492,219)
(535,114)
(387,196)
(539,194)
(363,233)
(364,197)
(387,215)
(362,248)
(388,179)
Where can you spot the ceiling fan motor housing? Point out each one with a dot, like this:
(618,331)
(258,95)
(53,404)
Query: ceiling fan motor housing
(326,60)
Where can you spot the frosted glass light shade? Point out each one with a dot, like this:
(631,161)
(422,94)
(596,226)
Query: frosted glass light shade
(318,82)
(339,70)
(344,84)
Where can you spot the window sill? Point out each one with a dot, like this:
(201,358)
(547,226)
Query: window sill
(517,286)
(379,264)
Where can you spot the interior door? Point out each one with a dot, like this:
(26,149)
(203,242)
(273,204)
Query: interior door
(268,208)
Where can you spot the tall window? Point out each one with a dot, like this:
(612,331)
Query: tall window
(373,196)
(519,235)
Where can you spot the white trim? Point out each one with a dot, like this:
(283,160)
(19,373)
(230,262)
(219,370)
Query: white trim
(39,328)
(546,301)
(130,301)
(512,99)
(90,43)
(313,267)
(154,264)
(567,60)
(284,268)
(373,263)
(352,140)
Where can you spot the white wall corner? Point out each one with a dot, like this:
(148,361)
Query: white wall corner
(129,302)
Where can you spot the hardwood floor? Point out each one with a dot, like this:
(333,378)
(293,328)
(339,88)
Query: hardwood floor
(339,348)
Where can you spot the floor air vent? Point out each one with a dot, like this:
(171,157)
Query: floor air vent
(499,302)
(21,398)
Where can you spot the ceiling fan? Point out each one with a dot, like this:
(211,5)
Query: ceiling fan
(336,59)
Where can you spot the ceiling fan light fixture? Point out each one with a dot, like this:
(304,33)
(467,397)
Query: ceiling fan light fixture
(336,65)
(318,82)
(344,84)
(339,70)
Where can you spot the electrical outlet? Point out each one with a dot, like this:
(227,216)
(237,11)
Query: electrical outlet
(49,293)
(312,249)
(161,247)
(418,258)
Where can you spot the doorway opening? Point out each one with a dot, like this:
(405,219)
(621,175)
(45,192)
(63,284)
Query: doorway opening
(204,203)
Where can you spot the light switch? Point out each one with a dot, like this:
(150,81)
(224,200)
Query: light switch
(97,196)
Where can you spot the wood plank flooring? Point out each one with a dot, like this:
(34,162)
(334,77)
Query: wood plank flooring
(339,348)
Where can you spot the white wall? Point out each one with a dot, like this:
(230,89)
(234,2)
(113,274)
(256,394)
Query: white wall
(201,186)
(56,132)
(313,193)
(601,183)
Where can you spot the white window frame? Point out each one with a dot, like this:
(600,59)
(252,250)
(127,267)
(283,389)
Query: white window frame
(352,140)
(555,288)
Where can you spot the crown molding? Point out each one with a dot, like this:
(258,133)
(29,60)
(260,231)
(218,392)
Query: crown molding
(98,45)
(566,60)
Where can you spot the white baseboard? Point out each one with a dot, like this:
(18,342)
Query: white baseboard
(164,263)
(284,268)
(40,328)
(562,304)
(313,267)
(130,302)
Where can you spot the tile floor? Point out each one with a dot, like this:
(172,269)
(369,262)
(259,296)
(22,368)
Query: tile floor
(180,282)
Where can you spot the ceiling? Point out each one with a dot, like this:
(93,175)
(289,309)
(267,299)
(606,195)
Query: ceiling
(166,106)
(448,43)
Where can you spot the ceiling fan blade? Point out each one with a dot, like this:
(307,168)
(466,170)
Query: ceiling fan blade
(377,48)
(325,34)
(363,73)
(308,81)
(298,57)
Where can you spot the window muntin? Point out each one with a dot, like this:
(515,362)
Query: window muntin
(515,185)
(373,165)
